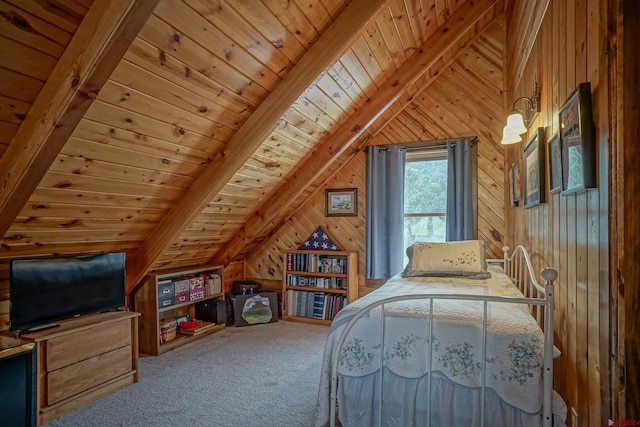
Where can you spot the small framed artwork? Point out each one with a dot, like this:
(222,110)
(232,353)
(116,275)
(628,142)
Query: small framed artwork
(533,161)
(555,165)
(341,202)
(577,141)
(514,184)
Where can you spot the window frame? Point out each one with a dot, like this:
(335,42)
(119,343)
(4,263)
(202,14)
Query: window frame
(425,154)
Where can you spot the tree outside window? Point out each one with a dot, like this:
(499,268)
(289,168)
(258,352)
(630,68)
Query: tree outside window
(425,197)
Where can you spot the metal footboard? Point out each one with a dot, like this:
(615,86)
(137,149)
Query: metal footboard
(538,298)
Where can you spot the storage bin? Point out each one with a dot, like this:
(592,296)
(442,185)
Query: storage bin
(196,294)
(196,282)
(182,297)
(166,301)
(182,285)
(246,286)
(167,329)
(166,289)
(213,285)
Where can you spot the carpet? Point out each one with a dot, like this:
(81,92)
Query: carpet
(261,375)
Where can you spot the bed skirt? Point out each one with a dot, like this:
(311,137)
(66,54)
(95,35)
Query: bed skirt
(452,404)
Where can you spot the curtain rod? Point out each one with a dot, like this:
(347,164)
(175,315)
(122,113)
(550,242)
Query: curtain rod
(438,144)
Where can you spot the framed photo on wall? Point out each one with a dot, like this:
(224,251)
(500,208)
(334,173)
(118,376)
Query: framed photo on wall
(533,162)
(341,202)
(577,141)
(555,164)
(514,184)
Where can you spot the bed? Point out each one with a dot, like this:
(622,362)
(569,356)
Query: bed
(464,341)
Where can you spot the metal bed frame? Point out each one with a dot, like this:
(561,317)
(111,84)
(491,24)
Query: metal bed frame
(539,299)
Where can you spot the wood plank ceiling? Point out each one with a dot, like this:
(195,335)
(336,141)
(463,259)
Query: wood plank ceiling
(172,160)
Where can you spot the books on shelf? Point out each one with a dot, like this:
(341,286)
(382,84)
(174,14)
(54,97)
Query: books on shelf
(313,305)
(200,328)
(317,263)
(316,282)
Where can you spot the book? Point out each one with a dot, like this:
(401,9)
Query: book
(310,304)
(302,304)
(318,305)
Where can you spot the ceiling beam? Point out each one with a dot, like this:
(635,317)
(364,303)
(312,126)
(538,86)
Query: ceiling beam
(426,56)
(321,55)
(103,37)
(363,140)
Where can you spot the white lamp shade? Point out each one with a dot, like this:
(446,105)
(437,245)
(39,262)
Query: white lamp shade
(508,137)
(515,123)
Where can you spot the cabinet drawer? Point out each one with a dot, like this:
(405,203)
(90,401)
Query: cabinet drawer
(81,376)
(181,298)
(166,289)
(168,301)
(74,347)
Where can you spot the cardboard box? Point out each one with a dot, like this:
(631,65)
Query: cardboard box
(260,306)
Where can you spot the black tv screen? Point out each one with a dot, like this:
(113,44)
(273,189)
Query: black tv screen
(48,290)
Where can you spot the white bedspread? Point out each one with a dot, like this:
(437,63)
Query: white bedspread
(514,354)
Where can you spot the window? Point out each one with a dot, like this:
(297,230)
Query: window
(425,196)
(437,207)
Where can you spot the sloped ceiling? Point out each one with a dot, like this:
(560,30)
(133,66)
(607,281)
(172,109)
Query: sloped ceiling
(184,132)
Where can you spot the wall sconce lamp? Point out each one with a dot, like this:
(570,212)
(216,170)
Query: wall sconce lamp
(519,119)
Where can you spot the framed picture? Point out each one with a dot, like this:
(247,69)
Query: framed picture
(533,161)
(514,184)
(555,165)
(341,202)
(577,141)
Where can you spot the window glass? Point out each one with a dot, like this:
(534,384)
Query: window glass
(425,198)
(425,186)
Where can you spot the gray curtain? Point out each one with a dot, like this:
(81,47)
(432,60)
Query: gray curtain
(462,209)
(385,211)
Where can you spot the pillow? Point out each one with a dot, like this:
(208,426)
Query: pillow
(451,259)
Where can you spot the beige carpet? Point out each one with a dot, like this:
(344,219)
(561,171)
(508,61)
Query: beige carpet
(261,375)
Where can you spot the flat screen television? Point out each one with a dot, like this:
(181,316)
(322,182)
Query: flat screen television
(43,291)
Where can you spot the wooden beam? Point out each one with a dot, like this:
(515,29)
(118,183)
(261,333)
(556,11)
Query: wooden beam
(329,47)
(629,247)
(100,41)
(442,40)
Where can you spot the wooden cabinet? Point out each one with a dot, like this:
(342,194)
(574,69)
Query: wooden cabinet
(83,360)
(317,284)
(158,302)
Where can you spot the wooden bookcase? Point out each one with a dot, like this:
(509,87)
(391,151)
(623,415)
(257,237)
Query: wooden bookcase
(154,311)
(317,283)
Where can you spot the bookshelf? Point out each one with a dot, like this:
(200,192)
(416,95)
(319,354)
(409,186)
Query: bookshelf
(164,297)
(317,284)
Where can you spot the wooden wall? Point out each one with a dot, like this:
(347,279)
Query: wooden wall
(624,96)
(560,49)
(568,232)
(464,100)
(265,264)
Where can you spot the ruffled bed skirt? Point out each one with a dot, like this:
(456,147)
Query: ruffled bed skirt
(404,404)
